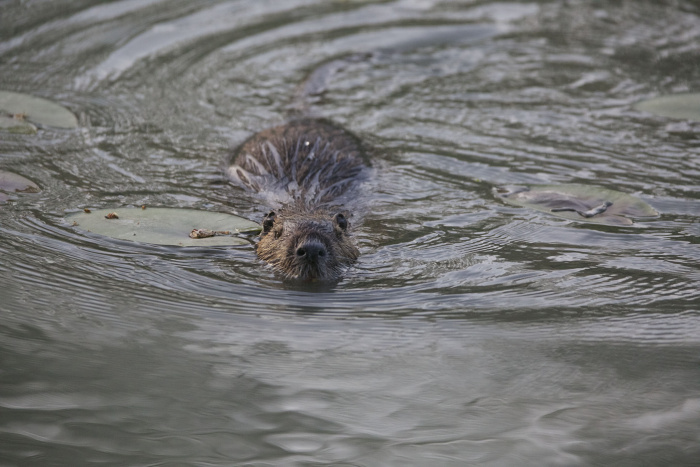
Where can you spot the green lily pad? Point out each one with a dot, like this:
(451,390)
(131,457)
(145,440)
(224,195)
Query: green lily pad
(582,203)
(164,226)
(20,107)
(683,106)
(13,125)
(13,183)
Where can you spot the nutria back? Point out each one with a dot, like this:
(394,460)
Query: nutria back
(306,169)
(308,160)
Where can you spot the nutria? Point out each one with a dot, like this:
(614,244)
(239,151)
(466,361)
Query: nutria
(307,169)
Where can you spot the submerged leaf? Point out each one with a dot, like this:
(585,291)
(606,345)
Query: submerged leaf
(20,107)
(583,203)
(163,226)
(682,106)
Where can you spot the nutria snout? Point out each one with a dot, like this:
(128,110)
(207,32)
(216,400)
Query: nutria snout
(307,244)
(307,167)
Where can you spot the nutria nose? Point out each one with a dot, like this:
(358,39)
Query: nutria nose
(311,251)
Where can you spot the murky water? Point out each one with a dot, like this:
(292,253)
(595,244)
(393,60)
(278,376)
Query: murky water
(469,333)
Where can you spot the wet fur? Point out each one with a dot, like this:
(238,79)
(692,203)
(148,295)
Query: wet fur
(297,225)
(306,168)
(306,160)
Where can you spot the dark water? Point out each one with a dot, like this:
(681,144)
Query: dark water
(469,333)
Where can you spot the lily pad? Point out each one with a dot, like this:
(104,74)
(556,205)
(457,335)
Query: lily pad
(13,125)
(582,203)
(164,226)
(13,183)
(683,106)
(17,107)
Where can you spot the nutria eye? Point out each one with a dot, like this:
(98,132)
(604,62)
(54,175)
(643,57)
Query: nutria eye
(341,221)
(268,222)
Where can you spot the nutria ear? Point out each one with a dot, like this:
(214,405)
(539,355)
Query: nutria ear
(341,221)
(268,221)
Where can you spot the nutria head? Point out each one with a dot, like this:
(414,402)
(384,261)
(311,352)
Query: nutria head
(307,244)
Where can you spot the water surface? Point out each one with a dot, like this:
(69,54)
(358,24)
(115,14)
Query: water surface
(469,333)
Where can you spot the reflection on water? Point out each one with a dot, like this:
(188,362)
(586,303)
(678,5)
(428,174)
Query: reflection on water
(470,332)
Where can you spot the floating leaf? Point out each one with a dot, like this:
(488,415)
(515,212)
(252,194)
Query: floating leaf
(20,107)
(13,125)
(682,106)
(583,203)
(13,183)
(164,226)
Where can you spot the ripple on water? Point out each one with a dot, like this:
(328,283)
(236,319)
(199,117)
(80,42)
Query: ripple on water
(468,332)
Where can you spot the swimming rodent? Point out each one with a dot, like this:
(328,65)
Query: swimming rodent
(309,168)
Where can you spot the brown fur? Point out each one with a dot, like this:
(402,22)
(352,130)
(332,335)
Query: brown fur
(306,167)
